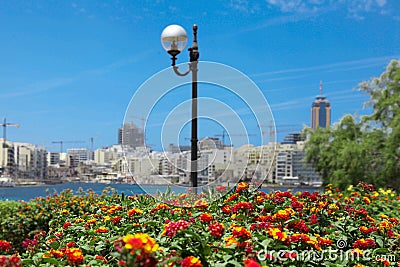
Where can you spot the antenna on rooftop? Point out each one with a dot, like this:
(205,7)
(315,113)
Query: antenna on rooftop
(320,87)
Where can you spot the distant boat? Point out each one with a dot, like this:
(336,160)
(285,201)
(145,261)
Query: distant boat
(6,182)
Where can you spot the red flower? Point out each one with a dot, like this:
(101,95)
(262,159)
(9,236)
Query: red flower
(66,225)
(70,244)
(221,188)
(241,232)
(365,230)
(251,263)
(299,225)
(5,245)
(324,242)
(12,261)
(242,206)
(314,219)
(116,219)
(98,257)
(216,229)
(232,197)
(364,243)
(172,228)
(191,261)
(206,217)
(226,209)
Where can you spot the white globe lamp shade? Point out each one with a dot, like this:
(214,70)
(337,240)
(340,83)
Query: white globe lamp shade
(174,39)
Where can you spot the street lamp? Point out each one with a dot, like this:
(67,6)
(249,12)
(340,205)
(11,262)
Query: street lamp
(173,40)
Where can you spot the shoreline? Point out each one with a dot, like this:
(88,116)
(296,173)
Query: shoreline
(38,184)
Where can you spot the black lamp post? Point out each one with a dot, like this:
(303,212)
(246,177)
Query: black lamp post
(174,39)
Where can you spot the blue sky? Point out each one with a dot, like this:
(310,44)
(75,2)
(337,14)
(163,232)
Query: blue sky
(69,68)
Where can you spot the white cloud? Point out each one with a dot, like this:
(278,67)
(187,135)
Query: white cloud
(355,8)
(381,3)
(337,66)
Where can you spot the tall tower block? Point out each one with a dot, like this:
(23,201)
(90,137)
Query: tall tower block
(320,111)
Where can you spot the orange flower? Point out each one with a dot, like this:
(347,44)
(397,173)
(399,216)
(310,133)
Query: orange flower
(191,261)
(101,229)
(241,186)
(283,215)
(314,243)
(140,241)
(74,255)
(91,221)
(383,261)
(367,200)
(201,204)
(230,240)
(134,211)
(160,207)
(53,253)
(259,199)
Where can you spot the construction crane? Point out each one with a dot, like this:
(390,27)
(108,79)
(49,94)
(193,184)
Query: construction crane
(279,128)
(224,133)
(5,124)
(66,142)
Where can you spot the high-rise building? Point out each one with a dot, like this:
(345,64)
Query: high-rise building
(320,111)
(130,135)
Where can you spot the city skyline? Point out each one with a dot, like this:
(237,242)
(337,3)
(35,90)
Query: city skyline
(70,68)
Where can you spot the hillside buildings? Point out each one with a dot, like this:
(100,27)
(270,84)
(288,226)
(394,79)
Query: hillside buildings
(133,162)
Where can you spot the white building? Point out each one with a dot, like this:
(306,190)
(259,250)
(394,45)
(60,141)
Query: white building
(7,160)
(78,155)
(23,160)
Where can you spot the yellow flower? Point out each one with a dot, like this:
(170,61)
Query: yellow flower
(140,241)
(350,188)
(277,234)
(384,216)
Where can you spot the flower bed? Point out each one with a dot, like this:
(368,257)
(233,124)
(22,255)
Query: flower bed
(245,227)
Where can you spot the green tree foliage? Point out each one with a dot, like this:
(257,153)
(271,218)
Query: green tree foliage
(367,148)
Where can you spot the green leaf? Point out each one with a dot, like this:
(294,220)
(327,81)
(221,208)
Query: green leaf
(51,260)
(380,251)
(235,263)
(54,245)
(379,241)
